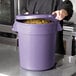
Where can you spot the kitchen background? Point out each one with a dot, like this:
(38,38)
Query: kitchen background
(10,8)
(9,54)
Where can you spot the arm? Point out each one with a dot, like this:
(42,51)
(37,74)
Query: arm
(68,7)
(64,10)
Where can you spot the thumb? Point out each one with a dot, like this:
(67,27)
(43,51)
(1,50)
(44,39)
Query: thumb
(53,13)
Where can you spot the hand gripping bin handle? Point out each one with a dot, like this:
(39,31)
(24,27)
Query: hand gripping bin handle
(37,42)
(57,22)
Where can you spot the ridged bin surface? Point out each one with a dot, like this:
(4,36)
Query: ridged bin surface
(37,44)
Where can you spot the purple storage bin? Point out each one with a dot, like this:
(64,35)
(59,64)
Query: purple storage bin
(37,42)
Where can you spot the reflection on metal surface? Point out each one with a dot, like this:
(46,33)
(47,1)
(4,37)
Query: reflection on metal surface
(67,61)
(74,74)
(8,11)
(39,73)
(5,11)
(3,74)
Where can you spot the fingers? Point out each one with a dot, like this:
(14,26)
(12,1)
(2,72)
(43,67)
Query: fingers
(57,13)
(60,14)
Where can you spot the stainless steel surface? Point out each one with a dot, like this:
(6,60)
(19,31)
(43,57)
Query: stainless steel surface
(18,7)
(6,28)
(15,7)
(9,63)
(8,41)
(68,36)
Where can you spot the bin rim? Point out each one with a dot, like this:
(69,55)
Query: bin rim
(28,24)
(36,16)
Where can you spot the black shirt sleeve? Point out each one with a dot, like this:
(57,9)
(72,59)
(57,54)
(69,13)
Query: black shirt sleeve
(67,5)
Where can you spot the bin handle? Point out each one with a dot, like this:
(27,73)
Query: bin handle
(59,28)
(14,27)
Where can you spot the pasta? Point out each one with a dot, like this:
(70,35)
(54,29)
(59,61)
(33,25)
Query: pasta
(36,21)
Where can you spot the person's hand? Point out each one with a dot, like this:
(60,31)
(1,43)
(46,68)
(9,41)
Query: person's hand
(60,14)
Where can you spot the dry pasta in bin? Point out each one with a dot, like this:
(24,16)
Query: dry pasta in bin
(37,21)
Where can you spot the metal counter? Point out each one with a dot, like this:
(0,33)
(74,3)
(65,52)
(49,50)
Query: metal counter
(9,64)
(68,37)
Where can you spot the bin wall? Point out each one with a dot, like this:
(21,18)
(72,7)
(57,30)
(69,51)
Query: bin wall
(37,51)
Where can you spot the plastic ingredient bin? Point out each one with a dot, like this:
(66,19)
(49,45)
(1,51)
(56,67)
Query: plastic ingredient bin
(37,42)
